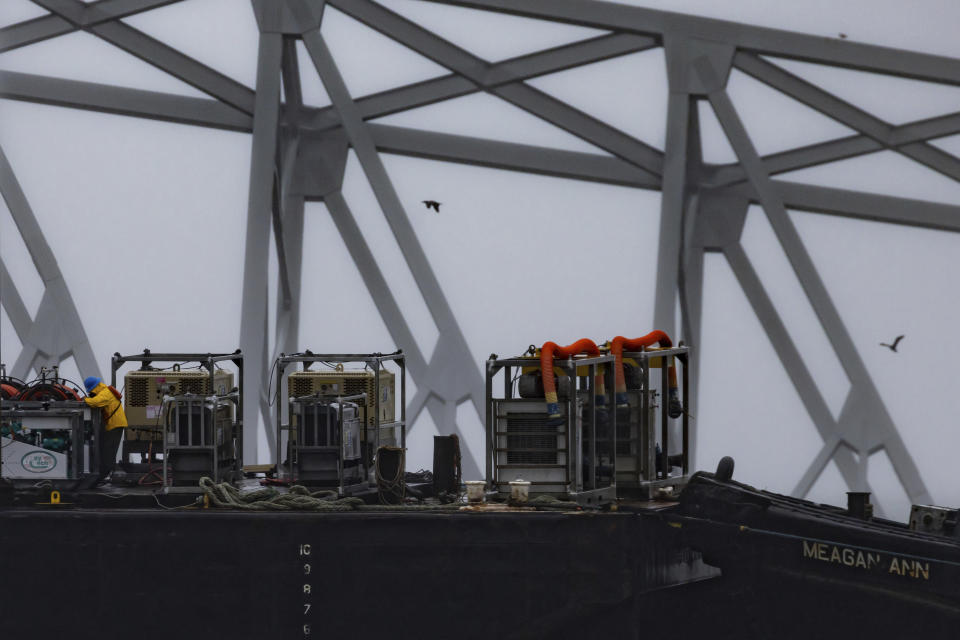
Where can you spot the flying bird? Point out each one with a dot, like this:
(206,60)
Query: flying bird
(843,36)
(892,347)
(432,203)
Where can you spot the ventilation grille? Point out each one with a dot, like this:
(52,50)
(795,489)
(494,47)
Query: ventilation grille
(141,388)
(300,386)
(347,383)
(200,386)
(530,440)
(354,386)
(136,392)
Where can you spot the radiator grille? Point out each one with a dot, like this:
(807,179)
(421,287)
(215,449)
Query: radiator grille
(623,438)
(531,432)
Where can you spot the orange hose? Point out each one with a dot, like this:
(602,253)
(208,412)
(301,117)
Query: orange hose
(547,353)
(617,347)
(635,344)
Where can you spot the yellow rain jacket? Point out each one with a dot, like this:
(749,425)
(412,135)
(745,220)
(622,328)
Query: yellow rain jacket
(112,408)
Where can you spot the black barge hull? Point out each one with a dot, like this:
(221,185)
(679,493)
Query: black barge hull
(802,570)
(112,573)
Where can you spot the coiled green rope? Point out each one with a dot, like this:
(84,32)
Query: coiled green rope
(226,496)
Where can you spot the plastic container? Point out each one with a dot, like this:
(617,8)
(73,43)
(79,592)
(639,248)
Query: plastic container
(519,490)
(475,490)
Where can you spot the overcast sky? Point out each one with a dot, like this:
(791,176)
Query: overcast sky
(147,221)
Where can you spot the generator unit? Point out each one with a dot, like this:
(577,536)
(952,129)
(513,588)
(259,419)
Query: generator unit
(566,450)
(50,440)
(201,439)
(144,390)
(185,418)
(325,448)
(365,385)
(649,458)
(346,382)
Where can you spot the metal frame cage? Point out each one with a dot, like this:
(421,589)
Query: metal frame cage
(371,426)
(575,448)
(205,423)
(60,416)
(638,469)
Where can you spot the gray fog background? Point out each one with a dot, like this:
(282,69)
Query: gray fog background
(147,221)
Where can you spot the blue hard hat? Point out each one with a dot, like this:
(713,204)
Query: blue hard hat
(91,382)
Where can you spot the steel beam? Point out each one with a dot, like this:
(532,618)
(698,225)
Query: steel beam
(786,233)
(290,72)
(366,151)
(510,156)
(672,203)
(13,304)
(845,113)
(284,294)
(443,413)
(859,205)
(566,56)
(452,376)
(838,149)
(691,292)
(799,158)
(775,42)
(253,322)
(70,10)
(789,355)
(519,94)
(865,206)
(52,25)
(816,468)
(680,206)
(288,311)
(690,273)
(158,54)
(107,10)
(35,30)
(881,428)
(288,216)
(178,65)
(94,13)
(375,282)
(404,141)
(288,211)
(57,330)
(123,101)
(803,382)
(691,299)
(584,166)
(513,70)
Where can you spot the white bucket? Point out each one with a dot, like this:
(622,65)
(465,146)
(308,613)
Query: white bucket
(475,489)
(519,490)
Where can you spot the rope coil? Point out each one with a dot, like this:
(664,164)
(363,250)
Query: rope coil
(298,498)
(224,495)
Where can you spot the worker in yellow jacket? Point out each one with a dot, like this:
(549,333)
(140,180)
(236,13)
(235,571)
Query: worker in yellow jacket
(114,421)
